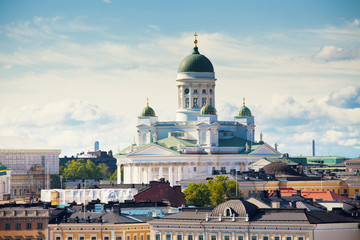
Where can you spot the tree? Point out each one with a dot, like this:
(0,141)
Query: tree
(198,194)
(104,170)
(221,189)
(81,169)
(114,175)
(214,192)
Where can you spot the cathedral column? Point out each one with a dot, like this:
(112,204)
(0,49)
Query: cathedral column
(130,171)
(190,96)
(149,176)
(160,170)
(118,178)
(171,177)
(179,170)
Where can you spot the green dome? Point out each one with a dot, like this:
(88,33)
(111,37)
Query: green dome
(147,112)
(207,110)
(195,62)
(244,112)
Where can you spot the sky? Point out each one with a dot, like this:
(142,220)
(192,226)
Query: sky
(76,72)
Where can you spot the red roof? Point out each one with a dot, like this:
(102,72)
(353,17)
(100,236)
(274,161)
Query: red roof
(324,195)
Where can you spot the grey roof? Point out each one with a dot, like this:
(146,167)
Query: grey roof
(240,208)
(281,215)
(108,217)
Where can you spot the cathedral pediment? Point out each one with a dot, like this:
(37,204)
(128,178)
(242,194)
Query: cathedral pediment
(153,149)
(265,149)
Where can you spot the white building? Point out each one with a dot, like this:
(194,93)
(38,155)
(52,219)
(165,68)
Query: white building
(5,180)
(31,163)
(196,143)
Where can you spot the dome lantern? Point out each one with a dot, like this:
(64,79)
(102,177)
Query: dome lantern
(147,111)
(244,111)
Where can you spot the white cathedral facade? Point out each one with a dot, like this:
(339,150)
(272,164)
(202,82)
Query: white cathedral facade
(196,144)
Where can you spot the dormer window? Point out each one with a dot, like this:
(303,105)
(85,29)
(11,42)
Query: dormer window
(228,212)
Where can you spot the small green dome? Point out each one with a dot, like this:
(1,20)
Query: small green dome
(147,112)
(207,110)
(244,112)
(195,62)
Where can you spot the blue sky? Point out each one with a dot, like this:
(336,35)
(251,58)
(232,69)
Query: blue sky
(72,72)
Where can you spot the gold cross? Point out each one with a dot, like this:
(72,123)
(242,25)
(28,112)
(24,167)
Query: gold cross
(147,101)
(243,101)
(195,35)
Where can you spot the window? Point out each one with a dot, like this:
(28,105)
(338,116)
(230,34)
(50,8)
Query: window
(190,237)
(266,238)
(195,90)
(195,102)
(288,238)
(210,101)
(128,237)
(27,238)
(254,238)
(39,226)
(106,238)
(213,237)
(18,226)
(168,237)
(147,237)
(28,226)
(240,237)
(201,237)
(57,238)
(93,238)
(227,238)
(277,238)
(210,91)
(300,238)
(204,91)
(186,102)
(142,237)
(157,237)
(118,238)
(179,237)
(134,237)
(194,169)
(203,101)
(7,226)
(83,238)
(69,238)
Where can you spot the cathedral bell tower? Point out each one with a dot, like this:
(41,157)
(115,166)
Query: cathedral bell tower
(196,83)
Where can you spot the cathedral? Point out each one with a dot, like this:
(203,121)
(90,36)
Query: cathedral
(196,145)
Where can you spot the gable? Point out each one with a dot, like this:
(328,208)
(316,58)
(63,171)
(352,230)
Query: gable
(154,150)
(265,149)
(261,163)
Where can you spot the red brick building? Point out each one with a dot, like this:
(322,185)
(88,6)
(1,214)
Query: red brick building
(161,191)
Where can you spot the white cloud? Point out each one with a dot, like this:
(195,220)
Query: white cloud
(356,22)
(7,67)
(348,97)
(332,53)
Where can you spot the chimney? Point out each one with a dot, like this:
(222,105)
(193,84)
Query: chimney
(298,193)
(277,193)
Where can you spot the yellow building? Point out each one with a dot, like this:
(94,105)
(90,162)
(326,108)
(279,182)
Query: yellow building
(344,187)
(100,226)
(20,223)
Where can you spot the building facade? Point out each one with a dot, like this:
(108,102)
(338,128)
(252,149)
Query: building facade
(31,163)
(20,223)
(241,220)
(100,226)
(197,143)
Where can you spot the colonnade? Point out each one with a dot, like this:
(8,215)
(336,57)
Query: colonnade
(144,172)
